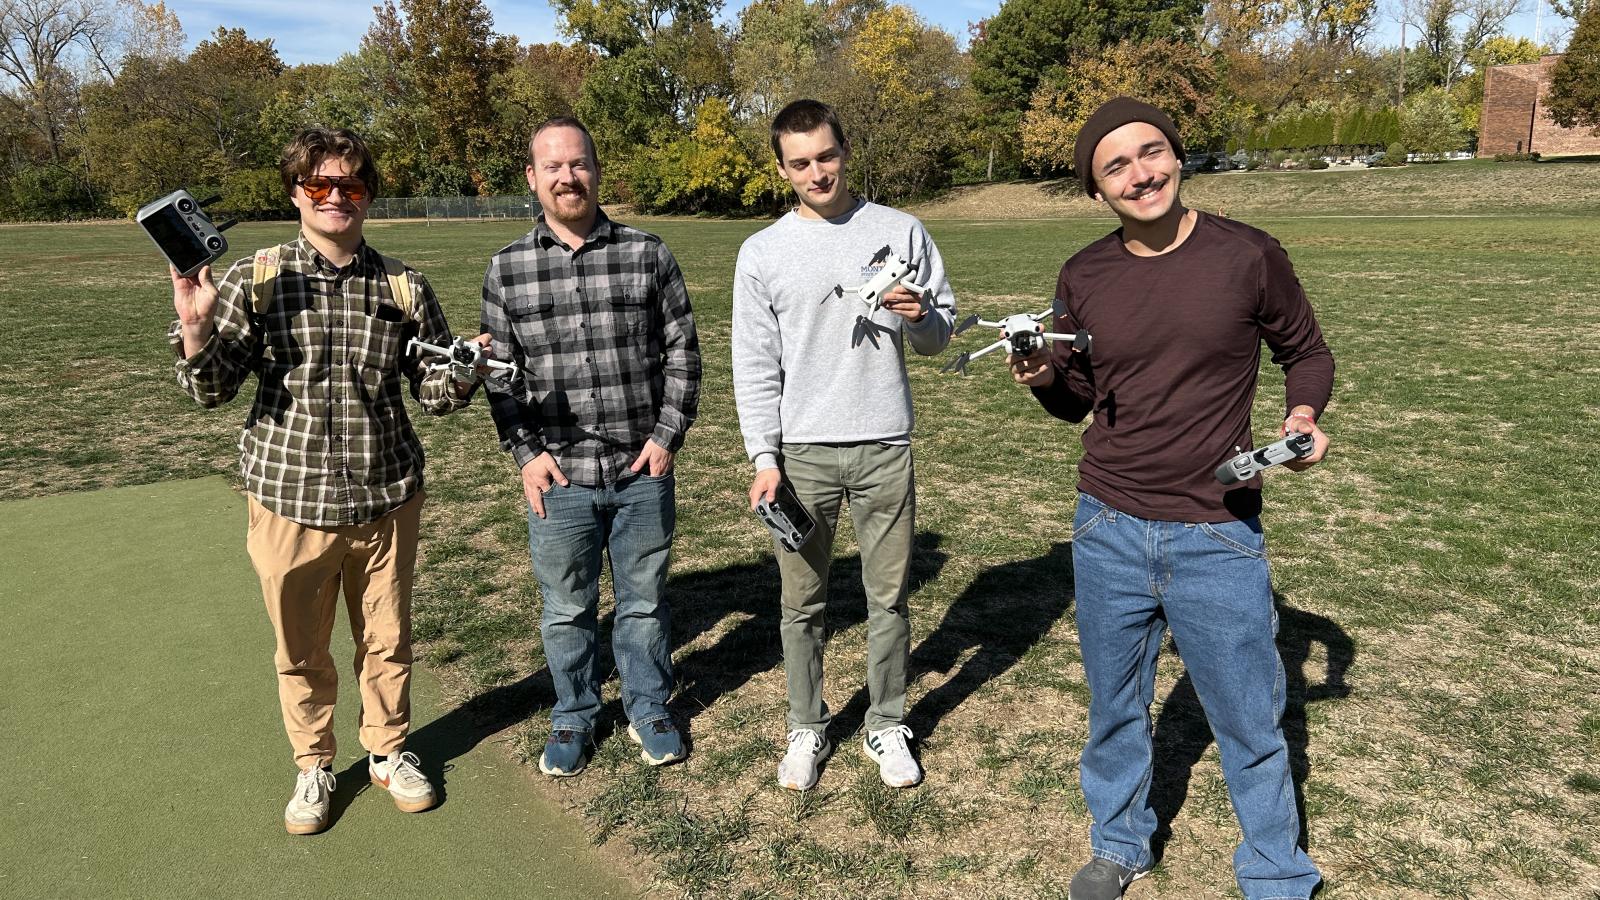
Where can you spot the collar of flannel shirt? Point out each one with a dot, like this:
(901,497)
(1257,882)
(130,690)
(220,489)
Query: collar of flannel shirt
(547,238)
(363,263)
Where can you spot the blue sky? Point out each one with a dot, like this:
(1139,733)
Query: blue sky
(322,30)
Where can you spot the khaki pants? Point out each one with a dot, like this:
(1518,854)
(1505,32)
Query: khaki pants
(302,568)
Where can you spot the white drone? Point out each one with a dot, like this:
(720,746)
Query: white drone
(464,358)
(895,271)
(1022,333)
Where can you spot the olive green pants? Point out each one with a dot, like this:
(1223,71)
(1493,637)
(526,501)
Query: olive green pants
(877,482)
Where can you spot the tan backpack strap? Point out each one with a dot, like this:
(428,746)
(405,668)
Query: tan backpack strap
(399,283)
(263,280)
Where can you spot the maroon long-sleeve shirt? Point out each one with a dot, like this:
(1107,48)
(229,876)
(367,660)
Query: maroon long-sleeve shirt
(1172,373)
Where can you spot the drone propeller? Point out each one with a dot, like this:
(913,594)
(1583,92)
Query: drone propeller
(957,365)
(966,323)
(1058,306)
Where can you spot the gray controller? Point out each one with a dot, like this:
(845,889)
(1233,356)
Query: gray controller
(1246,465)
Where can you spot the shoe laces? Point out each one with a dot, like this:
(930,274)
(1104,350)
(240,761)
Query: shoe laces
(894,738)
(405,769)
(312,782)
(804,739)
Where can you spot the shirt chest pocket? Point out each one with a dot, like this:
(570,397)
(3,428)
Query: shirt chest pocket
(375,343)
(627,310)
(533,322)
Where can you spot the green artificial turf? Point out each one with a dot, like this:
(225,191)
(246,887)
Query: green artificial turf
(145,756)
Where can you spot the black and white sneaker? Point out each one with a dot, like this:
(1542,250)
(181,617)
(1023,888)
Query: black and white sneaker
(1102,879)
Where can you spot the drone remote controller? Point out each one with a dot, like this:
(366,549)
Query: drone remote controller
(463,357)
(786,518)
(183,232)
(1246,465)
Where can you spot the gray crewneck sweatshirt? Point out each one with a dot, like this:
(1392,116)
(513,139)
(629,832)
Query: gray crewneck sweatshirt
(813,364)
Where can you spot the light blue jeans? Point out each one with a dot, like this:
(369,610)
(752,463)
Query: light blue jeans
(1210,583)
(632,521)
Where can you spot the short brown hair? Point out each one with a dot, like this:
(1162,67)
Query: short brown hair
(563,122)
(804,117)
(305,153)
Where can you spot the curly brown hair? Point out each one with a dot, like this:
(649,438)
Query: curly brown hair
(305,153)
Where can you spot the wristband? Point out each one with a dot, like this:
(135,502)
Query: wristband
(1301,416)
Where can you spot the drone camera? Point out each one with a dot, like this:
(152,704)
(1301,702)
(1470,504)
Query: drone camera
(182,231)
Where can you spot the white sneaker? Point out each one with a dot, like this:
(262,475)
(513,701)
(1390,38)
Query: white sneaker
(307,812)
(807,750)
(404,781)
(895,765)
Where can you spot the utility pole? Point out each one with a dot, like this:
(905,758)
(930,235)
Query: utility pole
(1402,63)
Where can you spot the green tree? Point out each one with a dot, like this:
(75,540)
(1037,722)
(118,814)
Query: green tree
(896,83)
(1574,99)
(1027,41)
(451,56)
(223,86)
(776,50)
(1431,124)
(1179,78)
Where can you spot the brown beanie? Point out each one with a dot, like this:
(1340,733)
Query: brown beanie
(1111,115)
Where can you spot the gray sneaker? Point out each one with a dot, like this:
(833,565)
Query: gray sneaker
(1102,879)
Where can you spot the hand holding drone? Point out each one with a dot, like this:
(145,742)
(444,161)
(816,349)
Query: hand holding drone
(895,271)
(1022,333)
(466,359)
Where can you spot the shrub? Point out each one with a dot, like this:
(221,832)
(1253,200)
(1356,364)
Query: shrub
(1516,157)
(1394,156)
(47,192)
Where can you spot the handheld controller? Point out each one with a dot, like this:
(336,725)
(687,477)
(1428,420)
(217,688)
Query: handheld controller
(786,518)
(183,232)
(1245,466)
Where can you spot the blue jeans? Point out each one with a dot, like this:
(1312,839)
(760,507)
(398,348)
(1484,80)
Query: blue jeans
(1208,581)
(632,521)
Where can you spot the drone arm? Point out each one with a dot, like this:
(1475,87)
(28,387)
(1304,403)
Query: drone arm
(1081,341)
(418,344)
(989,349)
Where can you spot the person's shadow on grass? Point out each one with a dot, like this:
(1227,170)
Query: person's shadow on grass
(700,601)
(1182,735)
(999,617)
(753,645)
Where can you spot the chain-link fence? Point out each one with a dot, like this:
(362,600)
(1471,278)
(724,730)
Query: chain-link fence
(459,209)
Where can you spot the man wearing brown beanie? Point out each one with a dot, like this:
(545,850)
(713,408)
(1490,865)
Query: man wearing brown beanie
(1178,303)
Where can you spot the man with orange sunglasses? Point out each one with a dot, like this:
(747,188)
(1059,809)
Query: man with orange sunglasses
(331,466)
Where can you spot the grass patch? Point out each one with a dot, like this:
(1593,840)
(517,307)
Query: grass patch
(1436,576)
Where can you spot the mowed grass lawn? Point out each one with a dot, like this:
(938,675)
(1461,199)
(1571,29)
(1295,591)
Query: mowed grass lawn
(1437,575)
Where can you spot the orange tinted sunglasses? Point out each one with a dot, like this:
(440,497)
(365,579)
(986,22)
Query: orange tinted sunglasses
(318,187)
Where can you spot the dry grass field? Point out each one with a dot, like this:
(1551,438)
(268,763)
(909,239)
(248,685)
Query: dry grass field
(1439,623)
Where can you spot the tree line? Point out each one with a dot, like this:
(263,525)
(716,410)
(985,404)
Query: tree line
(101,108)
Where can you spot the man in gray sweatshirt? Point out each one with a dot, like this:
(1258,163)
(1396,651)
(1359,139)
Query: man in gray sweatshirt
(824,403)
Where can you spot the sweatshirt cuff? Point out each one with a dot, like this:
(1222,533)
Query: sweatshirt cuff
(765,461)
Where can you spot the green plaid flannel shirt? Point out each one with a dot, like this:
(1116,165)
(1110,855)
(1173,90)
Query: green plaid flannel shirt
(327,442)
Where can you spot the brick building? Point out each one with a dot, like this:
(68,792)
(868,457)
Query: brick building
(1514,119)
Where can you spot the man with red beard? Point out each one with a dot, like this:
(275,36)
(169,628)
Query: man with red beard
(596,316)
(1178,303)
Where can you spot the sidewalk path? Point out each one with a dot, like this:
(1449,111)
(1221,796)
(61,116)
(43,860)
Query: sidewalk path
(143,753)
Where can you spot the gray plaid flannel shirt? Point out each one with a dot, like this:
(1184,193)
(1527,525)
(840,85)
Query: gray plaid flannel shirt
(605,343)
(327,441)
